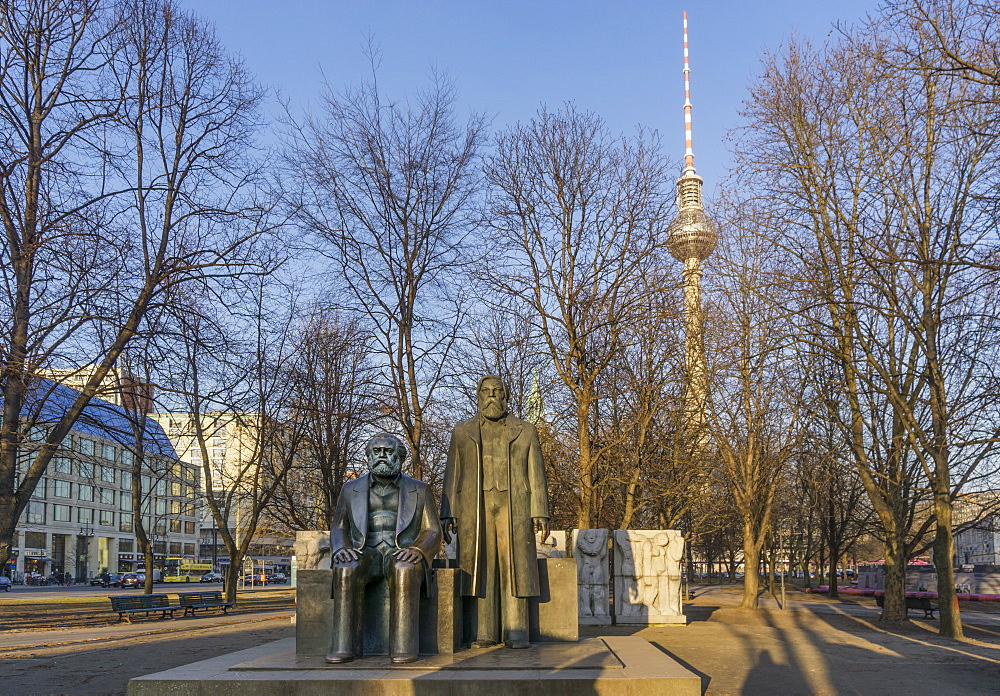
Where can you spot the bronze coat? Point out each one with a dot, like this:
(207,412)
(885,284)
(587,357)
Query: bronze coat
(416,525)
(463,500)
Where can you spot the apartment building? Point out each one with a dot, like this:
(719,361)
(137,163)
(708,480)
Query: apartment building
(80,518)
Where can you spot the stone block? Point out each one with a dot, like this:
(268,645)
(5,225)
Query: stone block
(552,615)
(313,612)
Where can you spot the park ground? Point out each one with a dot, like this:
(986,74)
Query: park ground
(815,645)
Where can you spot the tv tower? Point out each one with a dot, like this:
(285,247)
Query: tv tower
(691,237)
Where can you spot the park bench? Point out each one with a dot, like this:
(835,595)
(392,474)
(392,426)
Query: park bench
(203,600)
(920,603)
(142,604)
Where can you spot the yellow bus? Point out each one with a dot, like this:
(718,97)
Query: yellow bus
(181,570)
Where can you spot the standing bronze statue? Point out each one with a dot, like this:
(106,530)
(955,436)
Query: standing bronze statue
(494,500)
(384,527)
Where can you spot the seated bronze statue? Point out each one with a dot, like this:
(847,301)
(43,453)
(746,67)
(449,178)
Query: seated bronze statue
(385,527)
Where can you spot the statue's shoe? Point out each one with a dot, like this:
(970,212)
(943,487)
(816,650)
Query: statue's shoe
(517,644)
(483,643)
(339,658)
(404,658)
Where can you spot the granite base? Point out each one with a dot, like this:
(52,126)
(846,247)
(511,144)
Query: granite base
(611,665)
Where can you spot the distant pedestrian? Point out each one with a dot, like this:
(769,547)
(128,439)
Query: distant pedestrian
(69,578)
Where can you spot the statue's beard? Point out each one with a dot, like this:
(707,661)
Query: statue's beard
(493,409)
(385,468)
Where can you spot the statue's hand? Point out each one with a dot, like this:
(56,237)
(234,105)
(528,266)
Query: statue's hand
(541,526)
(449,526)
(408,555)
(346,555)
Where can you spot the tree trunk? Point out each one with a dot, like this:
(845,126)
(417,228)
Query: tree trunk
(944,551)
(894,608)
(751,568)
(834,559)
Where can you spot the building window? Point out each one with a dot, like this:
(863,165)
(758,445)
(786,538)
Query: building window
(61,489)
(126,477)
(108,452)
(127,457)
(39,491)
(190,510)
(126,545)
(34,540)
(108,474)
(175,507)
(34,513)
(160,527)
(189,527)
(84,446)
(85,492)
(125,523)
(106,496)
(107,518)
(37,433)
(175,548)
(62,465)
(85,515)
(161,487)
(160,548)
(125,501)
(175,525)
(175,488)
(85,469)
(146,483)
(61,513)
(188,549)
(161,506)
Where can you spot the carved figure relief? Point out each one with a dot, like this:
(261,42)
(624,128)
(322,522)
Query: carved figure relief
(648,575)
(312,550)
(553,546)
(590,548)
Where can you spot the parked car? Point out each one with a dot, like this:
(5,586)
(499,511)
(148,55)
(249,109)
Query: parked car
(133,580)
(107,580)
(277,578)
(255,579)
(211,577)
(5,583)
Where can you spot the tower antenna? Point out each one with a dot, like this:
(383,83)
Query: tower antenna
(689,149)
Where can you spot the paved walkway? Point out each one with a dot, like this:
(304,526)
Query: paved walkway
(816,645)
(141,627)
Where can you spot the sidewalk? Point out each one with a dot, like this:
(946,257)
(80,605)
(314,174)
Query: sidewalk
(141,627)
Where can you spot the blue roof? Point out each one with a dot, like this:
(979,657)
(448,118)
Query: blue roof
(48,401)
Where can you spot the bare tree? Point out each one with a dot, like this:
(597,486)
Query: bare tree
(888,171)
(578,219)
(389,189)
(759,410)
(333,400)
(125,131)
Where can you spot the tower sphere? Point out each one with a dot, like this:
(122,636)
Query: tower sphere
(692,234)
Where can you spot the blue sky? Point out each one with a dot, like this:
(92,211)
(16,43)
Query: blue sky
(622,60)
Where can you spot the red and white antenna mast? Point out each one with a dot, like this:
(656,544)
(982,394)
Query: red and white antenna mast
(689,150)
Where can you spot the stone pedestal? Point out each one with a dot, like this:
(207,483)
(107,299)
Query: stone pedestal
(648,576)
(440,615)
(612,665)
(552,615)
